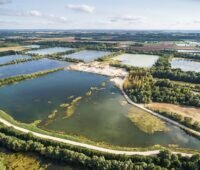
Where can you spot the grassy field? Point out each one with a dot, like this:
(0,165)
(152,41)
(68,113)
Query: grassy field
(15,48)
(184,111)
(20,161)
(146,122)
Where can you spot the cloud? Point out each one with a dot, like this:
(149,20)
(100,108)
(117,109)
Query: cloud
(127,18)
(81,8)
(63,19)
(34,13)
(4,2)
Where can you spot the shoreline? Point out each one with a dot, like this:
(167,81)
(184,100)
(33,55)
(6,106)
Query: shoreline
(119,81)
(188,130)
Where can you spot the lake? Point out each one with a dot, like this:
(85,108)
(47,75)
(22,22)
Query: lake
(87,55)
(137,60)
(46,51)
(9,58)
(99,115)
(186,64)
(189,51)
(32,46)
(30,67)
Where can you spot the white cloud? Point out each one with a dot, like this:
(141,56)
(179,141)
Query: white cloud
(81,8)
(63,18)
(34,13)
(4,2)
(127,18)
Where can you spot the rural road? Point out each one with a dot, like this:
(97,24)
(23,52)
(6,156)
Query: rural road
(88,146)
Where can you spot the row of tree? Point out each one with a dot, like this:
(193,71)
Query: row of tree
(187,121)
(187,56)
(20,142)
(162,69)
(14,79)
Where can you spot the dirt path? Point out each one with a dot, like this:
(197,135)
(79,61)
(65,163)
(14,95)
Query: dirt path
(88,146)
(196,133)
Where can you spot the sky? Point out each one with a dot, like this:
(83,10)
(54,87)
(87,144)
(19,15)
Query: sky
(100,14)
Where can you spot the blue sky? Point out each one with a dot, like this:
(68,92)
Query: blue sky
(100,14)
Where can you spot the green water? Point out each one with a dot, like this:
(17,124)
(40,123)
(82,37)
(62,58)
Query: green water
(99,116)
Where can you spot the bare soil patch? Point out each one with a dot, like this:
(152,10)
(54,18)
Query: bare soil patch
(184,111)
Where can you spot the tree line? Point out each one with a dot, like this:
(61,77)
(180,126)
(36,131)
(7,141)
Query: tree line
(162,69)
(21,142)
(141,87)
(14,79)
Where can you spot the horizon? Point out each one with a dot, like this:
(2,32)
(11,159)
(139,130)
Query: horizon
(90,15)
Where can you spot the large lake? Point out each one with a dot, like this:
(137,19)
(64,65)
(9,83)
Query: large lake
(9,58)
(185,64)
(30,67)
(46,51)
(100,115)
(87,55)
(137,60)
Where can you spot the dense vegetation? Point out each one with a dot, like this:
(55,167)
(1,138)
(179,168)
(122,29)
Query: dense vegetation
(187,56)
(14,79)
(162,69)
(143,88)
(86,45)
(187,121)
(4,53)
(60,56)
(107,57)
(20,142)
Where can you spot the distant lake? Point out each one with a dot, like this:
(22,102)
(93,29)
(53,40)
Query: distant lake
(137,60)
(185,64)
(189,51)
(100,115)
(46,51)
(87,55)
(32,46)
(30,67)
(9,58)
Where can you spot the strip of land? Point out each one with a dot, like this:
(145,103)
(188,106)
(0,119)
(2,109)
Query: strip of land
(88,146)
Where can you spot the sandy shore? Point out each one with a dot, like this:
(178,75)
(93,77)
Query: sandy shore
(99,68)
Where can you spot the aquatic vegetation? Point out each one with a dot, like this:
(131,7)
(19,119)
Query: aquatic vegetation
(64,105)
(36,122)
(146,122)
(89,93)
(70,97)
(103,84)
(72,107)
(53,114)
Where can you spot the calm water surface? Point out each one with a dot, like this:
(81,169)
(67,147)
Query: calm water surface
(186,65)
(50,50)
(30,67)
(9,58)
(137,60)
(87,55)
(99,116)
